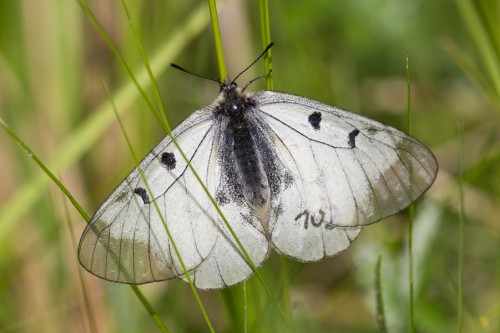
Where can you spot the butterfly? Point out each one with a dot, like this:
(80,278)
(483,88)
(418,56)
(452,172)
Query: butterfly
(288,173)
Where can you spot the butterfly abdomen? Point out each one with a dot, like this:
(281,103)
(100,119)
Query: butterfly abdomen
(248,165)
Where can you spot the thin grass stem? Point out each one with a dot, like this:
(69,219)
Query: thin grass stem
(85,136)
(59,184)
(265,30)
(222,71)
(160,115)
(475,24)
(168,130)
(90,311)
(461,220)
(217,40)
(411,322)
(379,299)
(150,310)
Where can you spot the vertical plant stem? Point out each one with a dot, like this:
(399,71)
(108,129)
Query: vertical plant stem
(136,290)
(265,30)
(411,323)
(245,308)
(473,21)
(75,204)
(285,284)
(217,39)
(379,299)
(90,311)
(222,73)
(461,220)
(149,308)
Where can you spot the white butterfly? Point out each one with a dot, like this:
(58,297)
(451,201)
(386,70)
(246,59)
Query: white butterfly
(288,172)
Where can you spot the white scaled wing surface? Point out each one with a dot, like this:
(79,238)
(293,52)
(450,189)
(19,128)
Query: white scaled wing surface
(126,240)
(346,171)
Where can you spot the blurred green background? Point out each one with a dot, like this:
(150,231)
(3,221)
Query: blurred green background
(347,53)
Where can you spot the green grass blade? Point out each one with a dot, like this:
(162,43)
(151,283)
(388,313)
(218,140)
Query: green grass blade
(45,169)
(168,131)
(474,23)
(149,308)
(467,65)
(379,299)
(161,106)
(461,221)
(176,250)
(233,234)
(411,322)
(137,163)
(217,40)
(285,290)
(265,30)
(85,136)
(89,310)
(90,14)
(245,308)
(63,188)
(222,70)
(266,40)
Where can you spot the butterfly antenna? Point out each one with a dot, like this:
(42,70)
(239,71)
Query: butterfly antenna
(194,74)
(257,78)
(258,58)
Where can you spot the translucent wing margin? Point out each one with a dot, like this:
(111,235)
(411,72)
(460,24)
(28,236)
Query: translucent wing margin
(126,240)
(347,171)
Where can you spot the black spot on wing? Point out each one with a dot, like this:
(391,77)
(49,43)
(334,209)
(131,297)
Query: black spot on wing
(168,159)
(352,138)
(315,120)
(143,194)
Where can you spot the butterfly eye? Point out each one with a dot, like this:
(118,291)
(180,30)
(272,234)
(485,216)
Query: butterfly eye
(236,109)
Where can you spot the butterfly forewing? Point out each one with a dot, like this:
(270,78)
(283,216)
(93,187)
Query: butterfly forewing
(122,242)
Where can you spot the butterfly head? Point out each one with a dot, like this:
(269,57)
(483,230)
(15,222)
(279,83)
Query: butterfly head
(231,102)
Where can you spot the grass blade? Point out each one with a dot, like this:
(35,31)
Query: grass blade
(461,221)
(265,30)
(85,136)
(217,40)
(66,192)
(90,311)
(411,322)
(379,299)
(484,44)
(176,250)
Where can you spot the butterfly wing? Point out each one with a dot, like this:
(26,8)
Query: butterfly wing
(126,240)
(348,171)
